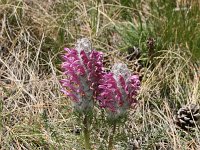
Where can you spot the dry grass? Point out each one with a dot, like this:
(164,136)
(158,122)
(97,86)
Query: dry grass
(35,114)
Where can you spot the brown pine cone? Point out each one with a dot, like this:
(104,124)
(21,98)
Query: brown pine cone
(187,117)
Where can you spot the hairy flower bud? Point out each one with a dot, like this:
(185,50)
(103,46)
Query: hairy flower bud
(118,91)
(83,44)
(82,69)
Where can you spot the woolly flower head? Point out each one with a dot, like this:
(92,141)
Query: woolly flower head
(82,70)
(118,91)
(83,44)
(120,69)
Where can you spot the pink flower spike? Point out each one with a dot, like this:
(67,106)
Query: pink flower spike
(119,90)
(83,69)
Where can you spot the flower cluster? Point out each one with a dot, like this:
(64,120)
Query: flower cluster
(85,81)
(83,70)
(118,90)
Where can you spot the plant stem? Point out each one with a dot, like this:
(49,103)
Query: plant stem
(86,133)
(110,142)
(1,119)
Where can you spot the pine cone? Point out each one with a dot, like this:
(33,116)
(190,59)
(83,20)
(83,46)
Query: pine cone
(187,116)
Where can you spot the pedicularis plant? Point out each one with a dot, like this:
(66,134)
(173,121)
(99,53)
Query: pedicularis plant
(87,85)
